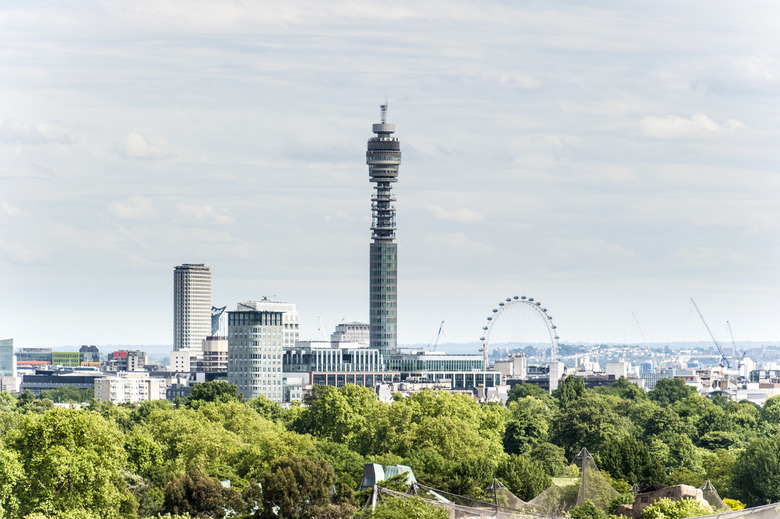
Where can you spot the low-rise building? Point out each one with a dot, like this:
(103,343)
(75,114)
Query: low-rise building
(129,387)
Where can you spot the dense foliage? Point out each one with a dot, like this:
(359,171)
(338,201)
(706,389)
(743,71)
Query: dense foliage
(215,455)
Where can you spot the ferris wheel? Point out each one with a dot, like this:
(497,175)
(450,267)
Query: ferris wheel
(520,321)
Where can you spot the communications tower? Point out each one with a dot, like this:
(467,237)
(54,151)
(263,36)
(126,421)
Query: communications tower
(383,158)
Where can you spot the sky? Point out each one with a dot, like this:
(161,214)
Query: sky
(610,159)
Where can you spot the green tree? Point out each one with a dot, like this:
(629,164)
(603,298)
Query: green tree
(570,389)
(756,477)
(523,476)
(587,510)
(71,460)
(669,390)
(589,421)
(68,394)
(411,507)
(666,508)
(770,413)
(197,494)
(11,476)
(630,460)
(551,457)
(520,391)
(214,391)
(297,488)
(528,426)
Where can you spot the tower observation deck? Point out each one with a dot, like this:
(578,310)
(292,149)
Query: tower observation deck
(383,158)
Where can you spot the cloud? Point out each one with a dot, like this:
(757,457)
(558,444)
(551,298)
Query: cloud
(524,82)
(461,215)
(584,249)
(138,146)
(18,132)
(699,126)
(12,210)
(134,208)
(203,213)
(708,256)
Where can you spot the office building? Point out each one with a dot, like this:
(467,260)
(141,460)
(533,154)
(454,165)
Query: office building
(33,357)
(89,356)
(191,306)
(258,333)
(7,358)
(352,332)
(383,157)
(215,354)
(69,359)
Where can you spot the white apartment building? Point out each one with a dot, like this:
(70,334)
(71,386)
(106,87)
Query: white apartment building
(258,332)
(129,387)
(191,305)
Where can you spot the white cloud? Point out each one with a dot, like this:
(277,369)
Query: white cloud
(700,257)
(11,210)
(461,215)
(149,146)
(18,132)
(203,214)
(698,126)
(134,208)
(577,250)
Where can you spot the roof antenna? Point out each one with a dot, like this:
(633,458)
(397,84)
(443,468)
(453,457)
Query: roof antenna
(384,111)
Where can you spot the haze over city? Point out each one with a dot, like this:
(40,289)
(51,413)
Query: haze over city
(607,159)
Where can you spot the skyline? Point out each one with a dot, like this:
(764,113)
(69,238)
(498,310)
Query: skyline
(604,160)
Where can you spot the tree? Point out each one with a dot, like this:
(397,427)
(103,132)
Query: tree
(756,479)
(394,508)
(68,394)
(11,476)
(529,425)
(570,389)
(72,460)
(523,476)
(297,488)
(587,510)
(628,459)
(589,421)
(214,391)
(551,457)
(195,493)
(666,508)
(520,391)
(669,390)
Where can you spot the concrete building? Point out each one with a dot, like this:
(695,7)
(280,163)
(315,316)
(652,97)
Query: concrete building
(191,305)
(466,372)
(383,157)
(258,332)
(617,369)
(516,366)
(215,355)
(352,332)
(126,360)
(129,387)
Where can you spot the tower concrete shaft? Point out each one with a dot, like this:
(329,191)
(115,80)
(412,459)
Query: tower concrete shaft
(383,158)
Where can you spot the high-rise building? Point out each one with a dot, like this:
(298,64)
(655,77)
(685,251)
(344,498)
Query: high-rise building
(258,333)
(191,306)
(7,359)
(383,157)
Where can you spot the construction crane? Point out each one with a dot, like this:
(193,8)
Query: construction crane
(723,359)
(436,342)
(741,358)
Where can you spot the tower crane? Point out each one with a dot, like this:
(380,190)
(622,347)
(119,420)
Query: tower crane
(723,359)
(733,343)
(436,342)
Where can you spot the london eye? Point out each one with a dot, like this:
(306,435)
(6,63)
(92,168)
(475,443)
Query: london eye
(520,321)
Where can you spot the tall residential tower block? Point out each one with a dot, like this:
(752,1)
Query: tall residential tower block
(383,157)
(191,306)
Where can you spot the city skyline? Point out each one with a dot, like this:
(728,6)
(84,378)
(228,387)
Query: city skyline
(604,160)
